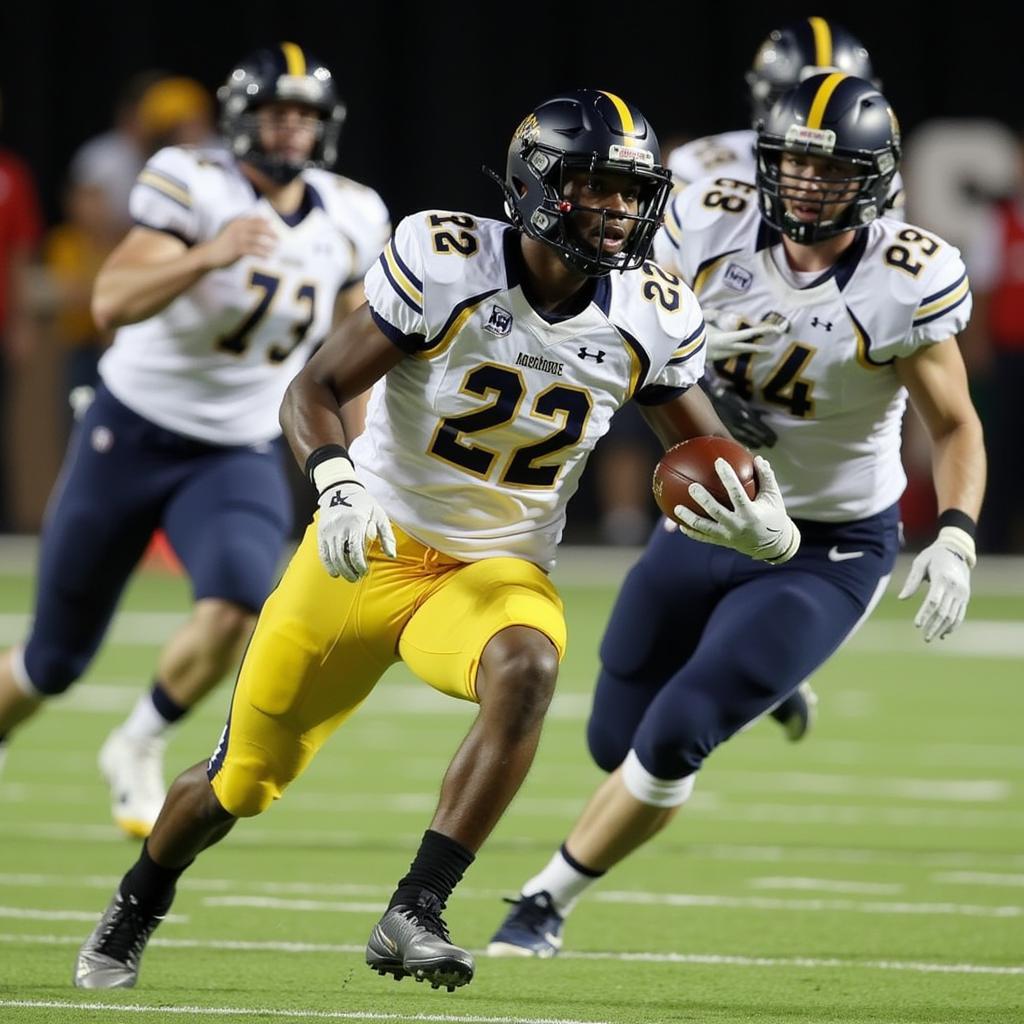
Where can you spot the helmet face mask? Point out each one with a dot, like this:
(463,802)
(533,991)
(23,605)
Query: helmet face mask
(567,139)
(795,52)
(285,75)
(826,157)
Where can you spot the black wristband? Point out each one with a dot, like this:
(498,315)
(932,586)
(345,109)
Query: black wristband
(322,454)
(961,520)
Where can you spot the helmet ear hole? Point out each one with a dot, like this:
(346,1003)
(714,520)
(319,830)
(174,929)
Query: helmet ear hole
(520,187)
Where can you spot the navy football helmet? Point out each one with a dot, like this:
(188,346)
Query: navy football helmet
(839,118)
(588,130)
(796,51)
(286,73)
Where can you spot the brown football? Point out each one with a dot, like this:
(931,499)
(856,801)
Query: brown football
(693,462)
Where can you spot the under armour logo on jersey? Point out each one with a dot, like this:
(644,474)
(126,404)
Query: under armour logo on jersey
(599,355)
(827,324)
(500,323)
(340,499)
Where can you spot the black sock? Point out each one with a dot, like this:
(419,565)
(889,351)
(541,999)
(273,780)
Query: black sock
(439,865)
(167,708)
(150,884)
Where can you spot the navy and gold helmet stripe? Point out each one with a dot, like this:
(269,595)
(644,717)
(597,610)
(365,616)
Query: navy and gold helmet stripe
(457,319)
(405,283)
(864,346)
(622,109)
(822,32)
(294,59)
(705,270)
(175,190)
(691,346)
(820,103)
(942,302)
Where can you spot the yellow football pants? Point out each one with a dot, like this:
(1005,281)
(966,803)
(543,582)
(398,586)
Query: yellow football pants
(321,644)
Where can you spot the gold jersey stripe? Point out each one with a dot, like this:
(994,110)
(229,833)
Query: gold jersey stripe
(407,286)
(947,300)
(155,180)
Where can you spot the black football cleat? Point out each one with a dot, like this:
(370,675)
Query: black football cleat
(110,956)
(413,940)
(797,712)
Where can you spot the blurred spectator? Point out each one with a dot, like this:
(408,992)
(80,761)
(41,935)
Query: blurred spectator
(994,353)
(73,253)
(20,227)
(111,162)
(176,111)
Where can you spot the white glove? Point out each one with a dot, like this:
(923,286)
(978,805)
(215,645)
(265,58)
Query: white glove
(760,528)
(727,339)
(350,519)
(947,565)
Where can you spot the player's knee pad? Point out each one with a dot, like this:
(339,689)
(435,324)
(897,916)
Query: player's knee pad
(608,742)
(48,671)
(649,789)
(243,793)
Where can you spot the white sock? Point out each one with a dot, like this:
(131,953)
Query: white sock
(563,882)
(145,722)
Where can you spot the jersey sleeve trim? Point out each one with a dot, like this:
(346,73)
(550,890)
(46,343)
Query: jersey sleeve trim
(641,362)
(934,306)
(167,185)
(410,344)
(457,319)
(864,346)
(690,347)
(673,225)
(181,236)
(659,394)
(708,267)
(406,284)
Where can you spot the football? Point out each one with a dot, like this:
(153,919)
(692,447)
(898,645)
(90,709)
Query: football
(693,462)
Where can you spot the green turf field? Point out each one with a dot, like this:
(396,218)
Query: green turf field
(874,873)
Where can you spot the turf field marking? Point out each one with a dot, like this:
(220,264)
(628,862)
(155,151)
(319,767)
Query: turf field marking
(685,899)
(827,885)
(978,878)
(275,903)
(710,959)
(35,914)
(263,1011)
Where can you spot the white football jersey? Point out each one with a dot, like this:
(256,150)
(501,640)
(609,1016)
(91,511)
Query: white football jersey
(475,443)
(828,386)
(215,362)
(733,155)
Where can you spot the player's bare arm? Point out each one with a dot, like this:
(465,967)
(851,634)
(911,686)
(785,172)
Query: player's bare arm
(936,379)
(149,269)
(348,364)
(689,415)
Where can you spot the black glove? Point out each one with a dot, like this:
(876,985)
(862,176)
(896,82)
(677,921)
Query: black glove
(745,423)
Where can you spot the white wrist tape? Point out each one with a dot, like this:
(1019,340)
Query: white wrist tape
(338,470)
(959,541)
(651,790)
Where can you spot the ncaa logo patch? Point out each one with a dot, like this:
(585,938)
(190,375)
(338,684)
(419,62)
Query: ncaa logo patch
(500,322)
(738,279)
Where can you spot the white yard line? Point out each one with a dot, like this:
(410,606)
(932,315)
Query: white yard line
(264,1011)
(708,959)
(991,878)
(827,885)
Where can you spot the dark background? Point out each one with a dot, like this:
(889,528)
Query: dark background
(435,89)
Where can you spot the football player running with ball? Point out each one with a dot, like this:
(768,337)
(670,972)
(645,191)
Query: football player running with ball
(872,307)
(499,353)
(220,293)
